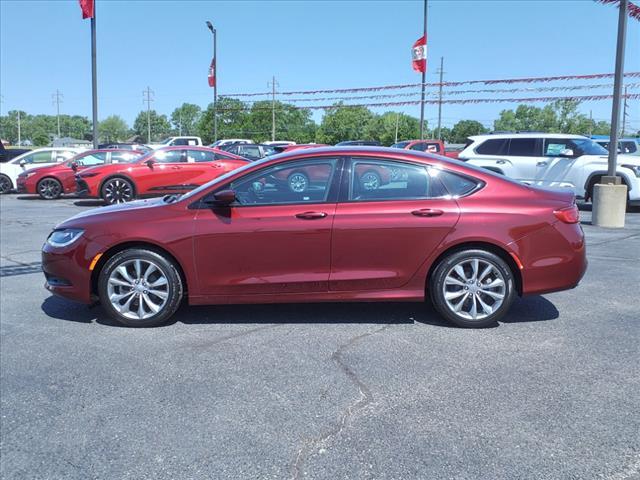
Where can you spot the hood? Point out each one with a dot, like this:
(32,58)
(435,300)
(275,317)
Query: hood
(100,213)
(622,159)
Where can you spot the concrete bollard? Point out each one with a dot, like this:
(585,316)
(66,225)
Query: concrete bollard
(609,205)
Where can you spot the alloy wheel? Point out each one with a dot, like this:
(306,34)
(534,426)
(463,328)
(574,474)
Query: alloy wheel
(474,288)
(49,188)
(5,184)
(118,191)
(298,182)
(138,289)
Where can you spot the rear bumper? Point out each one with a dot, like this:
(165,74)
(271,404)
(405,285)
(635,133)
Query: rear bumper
(553,258)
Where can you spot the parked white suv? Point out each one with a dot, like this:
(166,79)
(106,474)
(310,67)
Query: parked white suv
(42,157)
(551,160)
(173,141)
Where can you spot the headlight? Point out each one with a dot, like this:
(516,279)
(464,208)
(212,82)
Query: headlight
(27,174)
(634,168)
(64,237)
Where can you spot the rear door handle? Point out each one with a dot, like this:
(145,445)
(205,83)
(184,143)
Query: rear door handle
(501,162)
(541,164)
(311,215)
(427,212)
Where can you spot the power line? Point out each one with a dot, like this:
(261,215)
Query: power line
(148,97)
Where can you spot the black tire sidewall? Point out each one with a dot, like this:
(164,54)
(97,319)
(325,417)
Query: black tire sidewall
(168,268)
(9,182)
(49,179)
(438,277)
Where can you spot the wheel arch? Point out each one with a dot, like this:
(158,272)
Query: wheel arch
(120,247)
(479,245)
(595,176)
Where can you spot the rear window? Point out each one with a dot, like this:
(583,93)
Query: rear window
(493,146)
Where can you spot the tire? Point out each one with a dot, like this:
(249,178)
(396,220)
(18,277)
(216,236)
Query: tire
(127,291)
(370,180)
(589,192)
(49,188)
(117,190)
(298,182)
(5,184)
(456,305)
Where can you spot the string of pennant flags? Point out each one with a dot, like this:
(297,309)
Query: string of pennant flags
(438,84)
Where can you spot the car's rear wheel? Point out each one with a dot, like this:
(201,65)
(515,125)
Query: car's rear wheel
(140,288)
(49,188)
(117,190)
(370,181)
(472,288)
(298,182)
(5,184)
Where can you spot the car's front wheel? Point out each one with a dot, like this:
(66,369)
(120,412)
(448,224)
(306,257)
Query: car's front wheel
(117,190)
(472,288)
(49,188)
(5,184)
(140,288)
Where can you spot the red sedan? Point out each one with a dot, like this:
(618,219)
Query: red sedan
(467,238)
(55,180)
(166,170)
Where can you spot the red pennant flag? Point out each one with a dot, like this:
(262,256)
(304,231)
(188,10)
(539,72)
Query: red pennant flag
(419,54)
(87,8)
(212,73)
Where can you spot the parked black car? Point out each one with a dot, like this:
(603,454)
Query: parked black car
(367,143)
(7,154)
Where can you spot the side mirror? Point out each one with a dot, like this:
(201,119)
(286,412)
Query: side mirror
(22,163)
(223,198)
(567,152)
(74,166)
(149,163)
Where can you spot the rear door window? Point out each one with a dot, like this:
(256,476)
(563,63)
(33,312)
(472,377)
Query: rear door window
(170,156)
(493,146)
(525,147)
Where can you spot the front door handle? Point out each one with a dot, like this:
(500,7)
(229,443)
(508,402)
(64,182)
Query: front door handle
(311,215)
(427,212)
(541,164)
(176,168)
(501,162)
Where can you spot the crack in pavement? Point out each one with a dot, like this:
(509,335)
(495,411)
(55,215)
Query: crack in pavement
(366,397)
(234,335)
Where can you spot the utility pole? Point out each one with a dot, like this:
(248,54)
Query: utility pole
(57,98)
(19,135)
(590,122)
(441,71)
(94,79)
(214,66)
(624,112)
(273,107)
(180,123)
(397,122)
(147,96)
(424,74)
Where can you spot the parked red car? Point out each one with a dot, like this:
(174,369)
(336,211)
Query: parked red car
(55,180)
(466,237)
(428,146)
(166,170)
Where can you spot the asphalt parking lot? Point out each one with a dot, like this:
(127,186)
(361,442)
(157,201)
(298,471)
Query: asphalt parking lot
(332,391)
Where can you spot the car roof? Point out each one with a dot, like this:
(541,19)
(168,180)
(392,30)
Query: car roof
(526,135)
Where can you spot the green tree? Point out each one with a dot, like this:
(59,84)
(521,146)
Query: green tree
(527,118)
(185,119)
(344,123)
(383,128)
(113,129)
(160,127)
(464,129)
(232,120)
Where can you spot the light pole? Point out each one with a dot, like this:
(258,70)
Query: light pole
(215,84)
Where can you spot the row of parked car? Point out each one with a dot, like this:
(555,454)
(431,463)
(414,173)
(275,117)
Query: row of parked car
(121,172)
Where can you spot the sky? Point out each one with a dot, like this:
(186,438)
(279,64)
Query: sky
(306,45)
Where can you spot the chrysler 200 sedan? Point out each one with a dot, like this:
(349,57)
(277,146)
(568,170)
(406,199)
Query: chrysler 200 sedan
(467,238)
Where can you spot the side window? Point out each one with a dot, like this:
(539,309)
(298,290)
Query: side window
(426,147)
(524,147)
(62,155)
(201,156)
(456,185)
(493,146)
(388,180)
(252,152)
(221,156)
(628,147)
(170,156)
(553,146)
(39,157)
(92,159)
(301,182)
(180,141)
(122,156)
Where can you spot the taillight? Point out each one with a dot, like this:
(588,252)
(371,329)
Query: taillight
(568,214)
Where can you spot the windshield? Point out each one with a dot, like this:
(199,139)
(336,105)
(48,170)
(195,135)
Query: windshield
(166,141)
(223,178)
